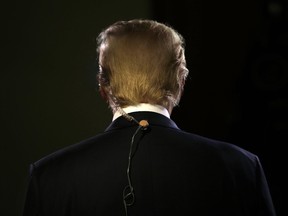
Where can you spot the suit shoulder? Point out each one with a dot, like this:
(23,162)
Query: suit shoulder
(223,148)
(71,152)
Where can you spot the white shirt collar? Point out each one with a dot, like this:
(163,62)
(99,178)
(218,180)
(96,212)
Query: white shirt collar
(143,107)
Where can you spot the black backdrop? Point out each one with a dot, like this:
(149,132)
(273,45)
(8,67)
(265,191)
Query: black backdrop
(236,53)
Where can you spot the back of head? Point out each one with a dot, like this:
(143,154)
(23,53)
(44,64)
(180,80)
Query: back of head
(141,61)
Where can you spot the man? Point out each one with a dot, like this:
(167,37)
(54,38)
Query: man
(143,164)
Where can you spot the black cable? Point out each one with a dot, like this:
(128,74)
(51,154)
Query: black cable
(128,192)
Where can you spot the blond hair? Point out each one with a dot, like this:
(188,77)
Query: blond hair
(141,61)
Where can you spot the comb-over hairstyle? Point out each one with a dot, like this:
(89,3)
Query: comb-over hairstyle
(141,61)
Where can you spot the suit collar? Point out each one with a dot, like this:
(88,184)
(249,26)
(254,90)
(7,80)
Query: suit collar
(154,119)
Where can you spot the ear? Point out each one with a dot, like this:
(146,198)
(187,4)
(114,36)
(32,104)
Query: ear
(103,93)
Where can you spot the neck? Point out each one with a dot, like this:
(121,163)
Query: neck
(142,107)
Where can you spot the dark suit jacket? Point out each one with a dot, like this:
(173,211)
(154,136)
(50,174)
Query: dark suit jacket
(173,173)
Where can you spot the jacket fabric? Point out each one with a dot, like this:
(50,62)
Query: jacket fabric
(173,172)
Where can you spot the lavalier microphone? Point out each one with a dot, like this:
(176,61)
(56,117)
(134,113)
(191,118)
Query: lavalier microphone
(144,124)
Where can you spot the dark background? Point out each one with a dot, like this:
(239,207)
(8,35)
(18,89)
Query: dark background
(237,56)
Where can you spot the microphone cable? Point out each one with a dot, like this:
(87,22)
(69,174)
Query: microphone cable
(128,191)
